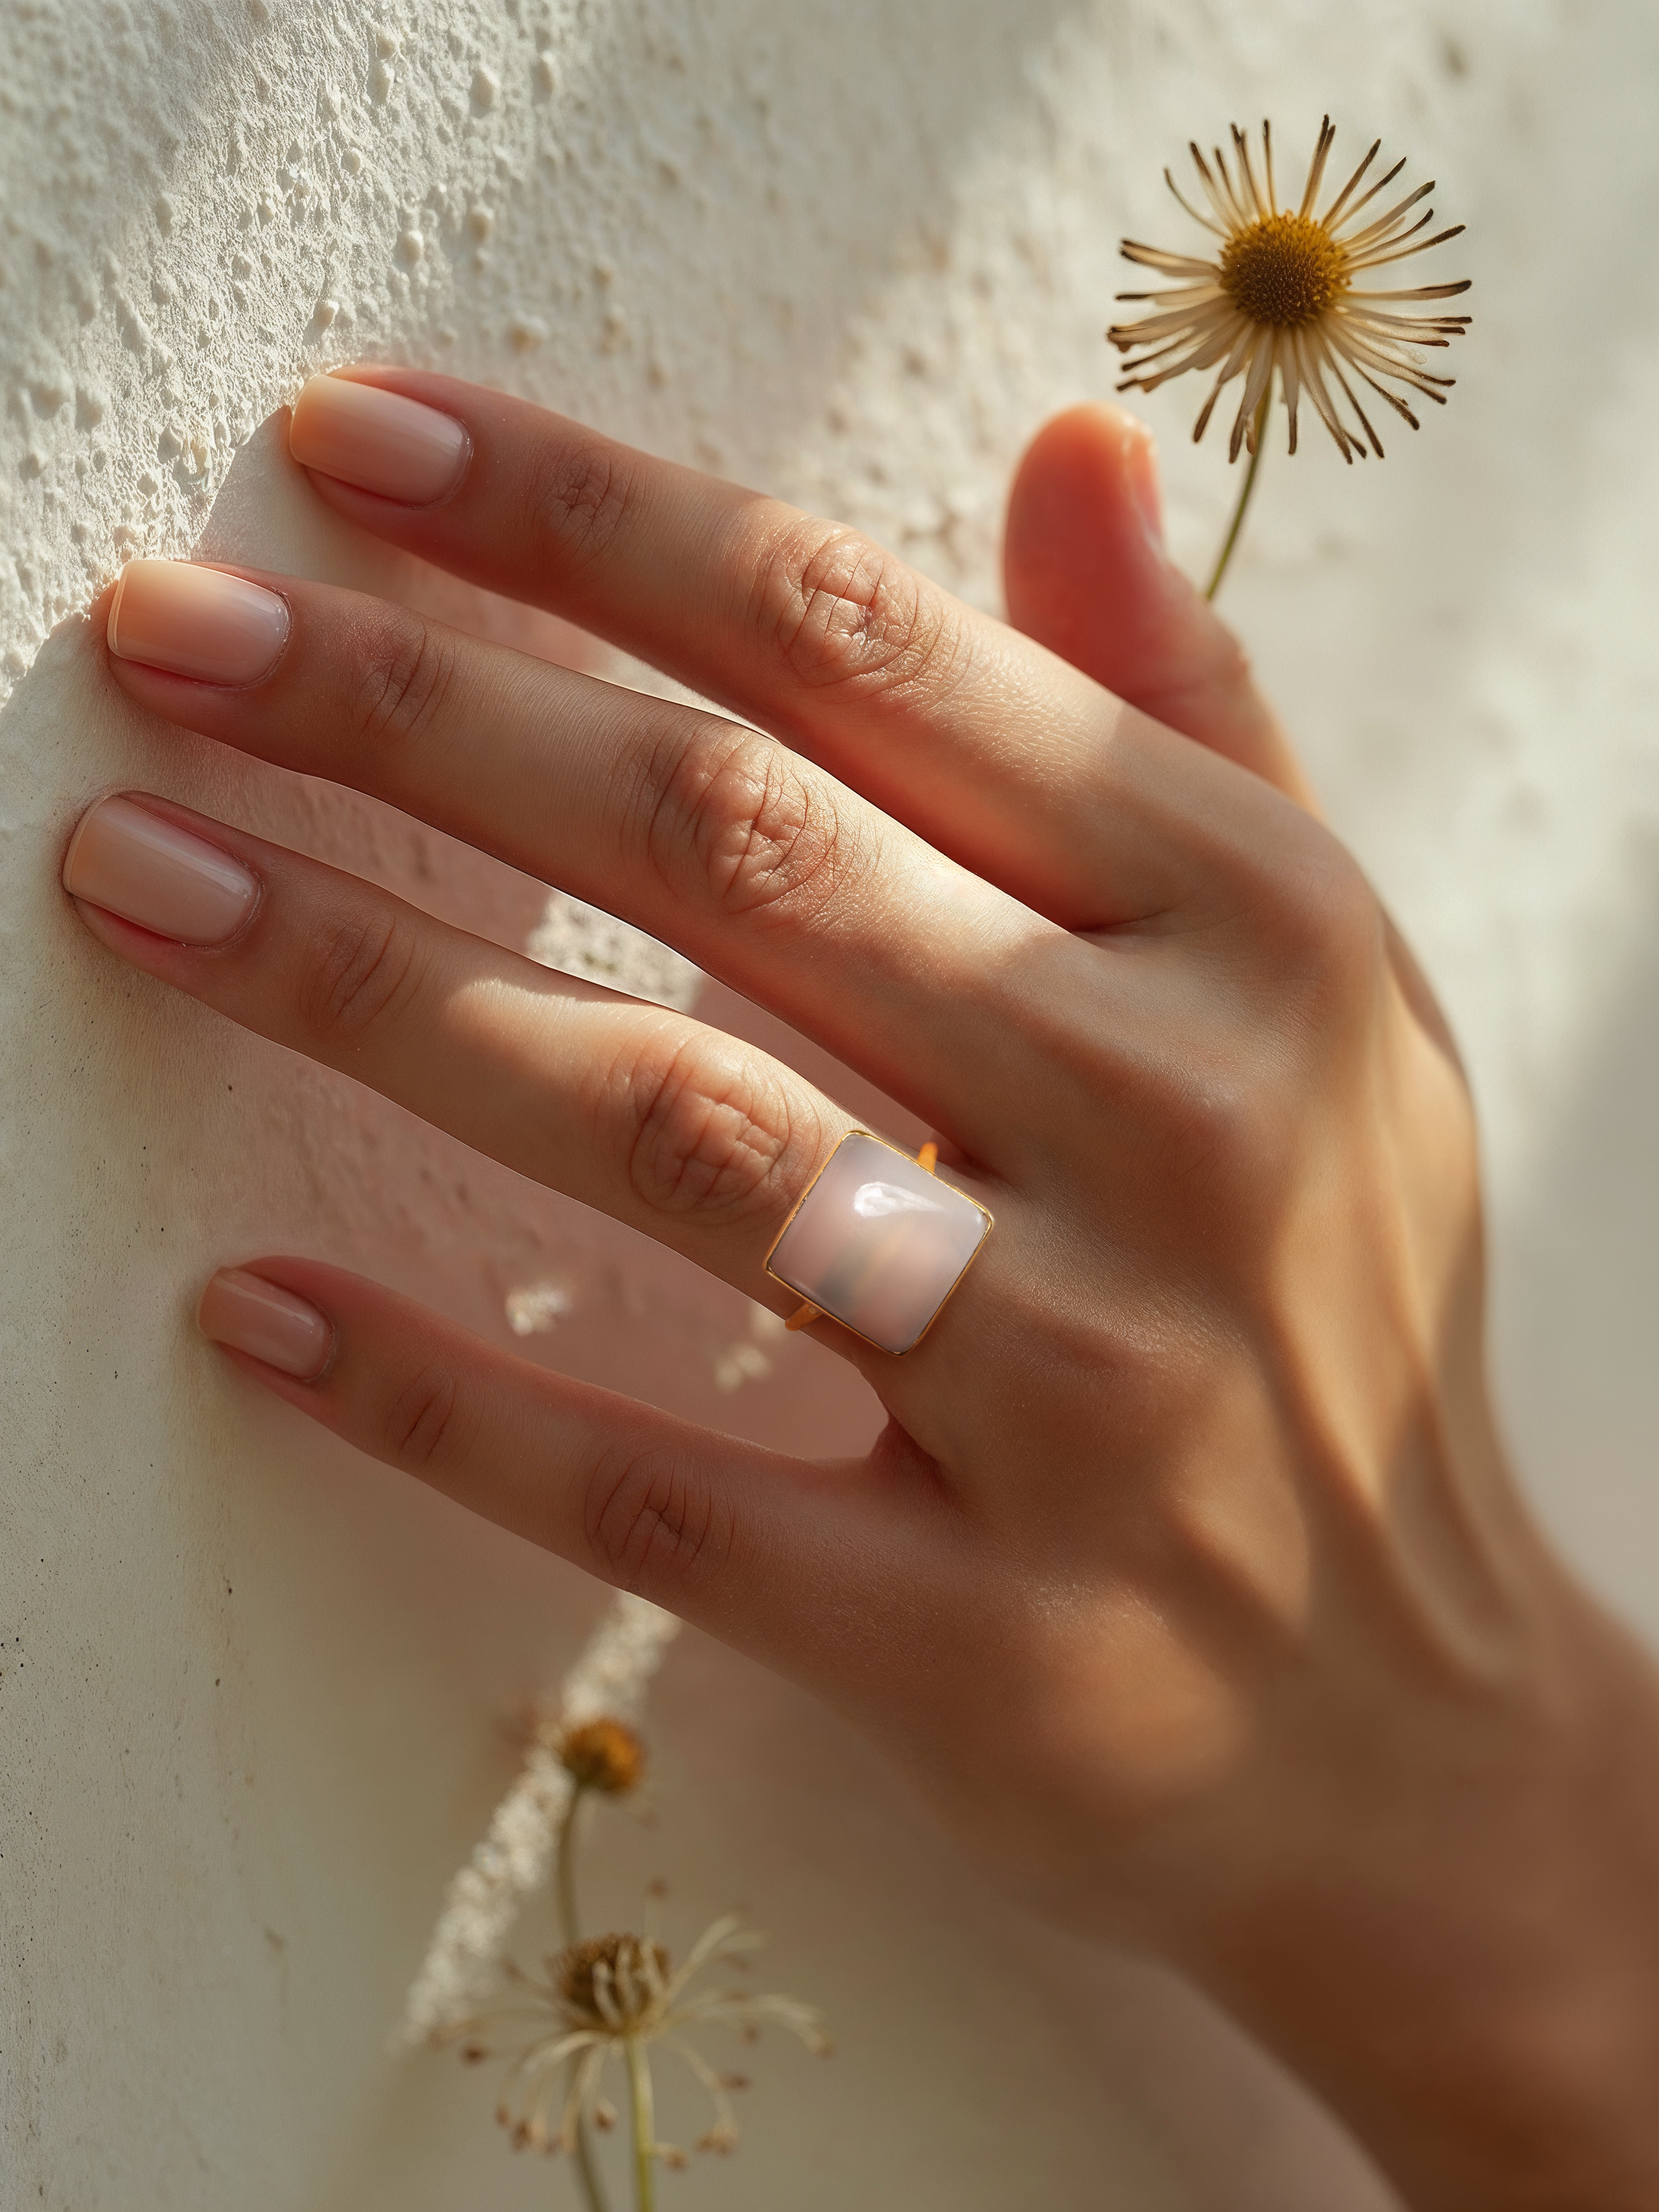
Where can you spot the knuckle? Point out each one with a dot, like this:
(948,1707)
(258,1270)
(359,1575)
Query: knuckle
(579,492)
(1234,1130)
(425,1426)
(1235,1112)
(707,1130)
(1299,915)
(735,813)
(1325,936)
(841,612)
(651,1515)
(406,670)
(362,969)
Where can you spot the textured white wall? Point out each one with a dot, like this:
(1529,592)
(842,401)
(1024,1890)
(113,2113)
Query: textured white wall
(253,1692)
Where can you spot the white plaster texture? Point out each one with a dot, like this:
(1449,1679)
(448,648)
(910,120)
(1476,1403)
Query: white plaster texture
(254,1695)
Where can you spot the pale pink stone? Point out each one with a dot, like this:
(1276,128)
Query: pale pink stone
(878,1242)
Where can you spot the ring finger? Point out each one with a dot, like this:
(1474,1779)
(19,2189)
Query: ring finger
(702,1142)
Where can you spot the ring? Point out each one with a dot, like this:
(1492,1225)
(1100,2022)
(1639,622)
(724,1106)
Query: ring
(877,1241)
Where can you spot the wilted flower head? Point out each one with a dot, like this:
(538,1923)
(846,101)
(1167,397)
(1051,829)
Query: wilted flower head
(610,1998)
(1280,294)
(604,1754)
(610,1981)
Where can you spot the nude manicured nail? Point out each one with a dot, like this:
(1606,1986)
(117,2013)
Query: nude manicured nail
(148,871)
(1145,484)
(196,622)
(250,1314)
(378,441)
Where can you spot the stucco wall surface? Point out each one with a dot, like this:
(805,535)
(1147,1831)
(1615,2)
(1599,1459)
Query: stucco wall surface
(256,1698)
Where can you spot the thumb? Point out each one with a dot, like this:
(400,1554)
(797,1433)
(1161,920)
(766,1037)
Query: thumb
(1087,575)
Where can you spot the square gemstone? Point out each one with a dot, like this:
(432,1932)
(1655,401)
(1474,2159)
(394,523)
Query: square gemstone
(877,1242)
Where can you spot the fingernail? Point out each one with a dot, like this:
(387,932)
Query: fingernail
(148,871)
(378,441)
(1144,484)
(196,622)
(248,1313)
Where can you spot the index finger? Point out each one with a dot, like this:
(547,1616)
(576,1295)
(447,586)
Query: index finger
(991,747)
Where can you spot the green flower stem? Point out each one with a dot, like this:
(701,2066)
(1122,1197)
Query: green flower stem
(645,2127)
(564,1888)
(1259,440)
(587,2171)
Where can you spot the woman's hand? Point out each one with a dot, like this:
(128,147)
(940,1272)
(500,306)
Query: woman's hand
(1186,1576)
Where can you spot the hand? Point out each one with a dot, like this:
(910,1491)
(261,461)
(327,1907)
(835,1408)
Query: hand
(1186,1576)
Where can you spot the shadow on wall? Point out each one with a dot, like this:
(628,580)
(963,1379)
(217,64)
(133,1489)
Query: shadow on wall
(670,219)
(784,169)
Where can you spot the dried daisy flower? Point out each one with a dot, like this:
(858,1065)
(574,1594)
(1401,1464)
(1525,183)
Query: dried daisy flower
(532,1828)
(1280,294)
(605,1755)
(610,1998)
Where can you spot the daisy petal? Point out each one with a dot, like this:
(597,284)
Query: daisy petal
(1327,140)
(1208,225)
(1329,218)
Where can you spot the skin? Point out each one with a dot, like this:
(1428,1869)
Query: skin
(1187,1578)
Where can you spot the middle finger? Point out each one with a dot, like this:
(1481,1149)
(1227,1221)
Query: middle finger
(992,748)
(758,864)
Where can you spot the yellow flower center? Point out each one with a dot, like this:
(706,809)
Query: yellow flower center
(1286,270)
